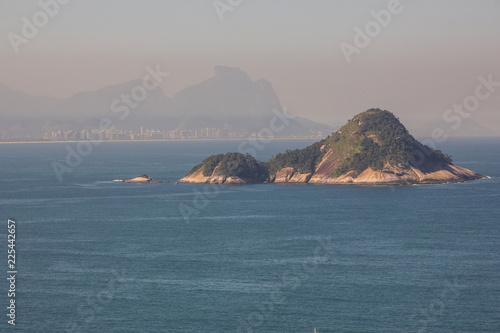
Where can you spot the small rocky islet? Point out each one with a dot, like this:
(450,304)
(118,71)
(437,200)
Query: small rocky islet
(144,179)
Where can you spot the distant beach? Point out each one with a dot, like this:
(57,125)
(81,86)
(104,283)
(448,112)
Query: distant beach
(172,140)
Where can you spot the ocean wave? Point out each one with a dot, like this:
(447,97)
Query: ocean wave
(213,284)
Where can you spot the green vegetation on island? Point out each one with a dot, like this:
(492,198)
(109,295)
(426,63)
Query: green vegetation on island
(301,160)
(234,165)
(374,139)
(370,140)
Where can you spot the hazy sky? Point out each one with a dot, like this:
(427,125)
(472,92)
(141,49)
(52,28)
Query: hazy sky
(427,58)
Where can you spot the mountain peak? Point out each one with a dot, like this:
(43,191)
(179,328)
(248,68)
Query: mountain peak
(375,124)
(375,112)
(222,70)
(375,139)
(232,77)
(230,93)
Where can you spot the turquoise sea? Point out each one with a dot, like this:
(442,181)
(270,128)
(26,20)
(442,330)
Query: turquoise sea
(96,255)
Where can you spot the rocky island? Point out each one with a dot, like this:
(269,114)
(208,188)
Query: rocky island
(373,148)
(144,179)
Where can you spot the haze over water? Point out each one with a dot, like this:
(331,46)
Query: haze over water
(418,63)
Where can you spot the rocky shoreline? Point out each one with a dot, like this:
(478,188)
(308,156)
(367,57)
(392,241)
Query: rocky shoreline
(450,174)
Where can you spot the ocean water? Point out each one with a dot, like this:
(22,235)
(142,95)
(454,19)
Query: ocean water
(96,255)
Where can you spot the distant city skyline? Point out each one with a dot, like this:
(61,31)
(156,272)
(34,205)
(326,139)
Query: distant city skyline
(158,134)
(418,61)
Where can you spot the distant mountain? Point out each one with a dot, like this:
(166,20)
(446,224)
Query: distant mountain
(230,93)
(99,103)
(230,99)
(20,105)
(372,148)
(24,114)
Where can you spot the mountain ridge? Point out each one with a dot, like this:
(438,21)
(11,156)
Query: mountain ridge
(230,98)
